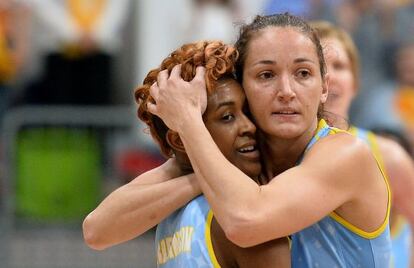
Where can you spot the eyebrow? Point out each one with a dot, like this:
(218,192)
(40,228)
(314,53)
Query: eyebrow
(299,60)
(270,62)
(226,103)
(266,62)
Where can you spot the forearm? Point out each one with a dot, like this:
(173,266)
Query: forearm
(217,176)
(135,208)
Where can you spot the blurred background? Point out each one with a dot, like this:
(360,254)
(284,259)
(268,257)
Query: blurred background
(70,135)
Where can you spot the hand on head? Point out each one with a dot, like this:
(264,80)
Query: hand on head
(176,99)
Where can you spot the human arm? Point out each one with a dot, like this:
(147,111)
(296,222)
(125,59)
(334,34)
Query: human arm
(251,214)
(295,199)
(399,167)
(138,206)
(274,253)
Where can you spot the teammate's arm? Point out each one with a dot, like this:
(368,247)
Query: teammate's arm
(399,167)
(274,253)
(138,206)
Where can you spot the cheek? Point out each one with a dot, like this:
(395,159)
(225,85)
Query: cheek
(312,98)
(345,81)
(349,84)
(225,143)
(258,97)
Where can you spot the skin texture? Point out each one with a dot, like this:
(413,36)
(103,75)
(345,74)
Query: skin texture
(234,134)
(283,97)
(230,127)
(138,206)
(264,72)
(233,131)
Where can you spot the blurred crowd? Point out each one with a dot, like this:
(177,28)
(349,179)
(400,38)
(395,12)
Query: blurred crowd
(95,52)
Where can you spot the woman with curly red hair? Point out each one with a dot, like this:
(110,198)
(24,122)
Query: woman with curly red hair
(189,237)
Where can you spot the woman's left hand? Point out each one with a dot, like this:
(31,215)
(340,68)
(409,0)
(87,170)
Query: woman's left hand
(178,101)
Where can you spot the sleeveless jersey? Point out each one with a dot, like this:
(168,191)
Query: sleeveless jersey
(401,243)
(401,230)
(334,242)
(183,239)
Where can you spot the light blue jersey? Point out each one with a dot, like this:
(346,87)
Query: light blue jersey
(183,239)
(400,231)
(334,242)
(401,243)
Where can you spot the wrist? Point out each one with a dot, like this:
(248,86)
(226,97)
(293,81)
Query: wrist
(194,184)
(192,123)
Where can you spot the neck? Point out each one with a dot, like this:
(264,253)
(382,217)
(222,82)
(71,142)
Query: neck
(183,162)
(338,120)
(282,154)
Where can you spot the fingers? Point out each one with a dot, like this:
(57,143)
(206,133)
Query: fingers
(152,108)
(163,75)
(200,73)
(154,91)
(176,71)
(162,78)
(200,82)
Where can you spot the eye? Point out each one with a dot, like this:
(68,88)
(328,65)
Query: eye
(266,75)
(227,117)
(303,73)
(338,66)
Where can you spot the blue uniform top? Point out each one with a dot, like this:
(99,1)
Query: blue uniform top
(400,230)
(183,239)
(401,243)
(334,242)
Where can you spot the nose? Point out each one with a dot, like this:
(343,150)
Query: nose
(246,126)
(284,89)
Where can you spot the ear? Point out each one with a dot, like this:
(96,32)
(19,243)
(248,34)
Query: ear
(325,86)
(174,141)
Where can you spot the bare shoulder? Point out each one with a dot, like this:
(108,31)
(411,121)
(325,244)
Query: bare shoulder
(341,149)
(392,151)
(348,167)
(344,163)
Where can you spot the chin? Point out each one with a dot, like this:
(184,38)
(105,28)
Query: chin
(286,131)
(253,171)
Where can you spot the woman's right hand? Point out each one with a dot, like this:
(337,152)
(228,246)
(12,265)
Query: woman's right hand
(178,101)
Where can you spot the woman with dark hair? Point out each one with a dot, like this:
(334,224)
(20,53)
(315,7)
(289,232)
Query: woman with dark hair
(326,189)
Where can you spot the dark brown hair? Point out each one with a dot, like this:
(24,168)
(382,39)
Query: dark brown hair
(248,31)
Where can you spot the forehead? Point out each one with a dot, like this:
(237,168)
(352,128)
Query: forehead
(333,49)
(276,41)
(226,90)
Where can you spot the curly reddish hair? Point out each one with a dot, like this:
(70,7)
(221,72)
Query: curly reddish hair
(219,60)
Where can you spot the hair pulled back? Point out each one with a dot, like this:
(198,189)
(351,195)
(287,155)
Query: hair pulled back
(248,31)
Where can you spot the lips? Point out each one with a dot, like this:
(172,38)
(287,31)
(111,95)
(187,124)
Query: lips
(249,150)
(285,111)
